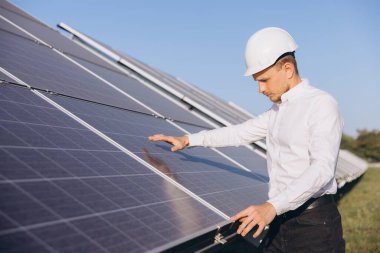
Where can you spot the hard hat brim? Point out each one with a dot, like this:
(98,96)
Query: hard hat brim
(252,71)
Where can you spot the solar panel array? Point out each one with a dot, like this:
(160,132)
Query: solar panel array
(349,167)
(77,171)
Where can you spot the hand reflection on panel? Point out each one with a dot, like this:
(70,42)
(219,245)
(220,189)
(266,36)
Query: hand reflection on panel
(159,164)
(183,208)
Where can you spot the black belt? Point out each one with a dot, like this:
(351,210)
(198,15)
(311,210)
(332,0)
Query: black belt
(314,202)
(310,204)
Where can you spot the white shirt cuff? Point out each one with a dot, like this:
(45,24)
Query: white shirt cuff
(195,139)
(280,203)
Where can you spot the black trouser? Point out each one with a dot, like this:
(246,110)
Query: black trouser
(311,230)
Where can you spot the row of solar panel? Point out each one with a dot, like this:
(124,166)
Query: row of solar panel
(64,188)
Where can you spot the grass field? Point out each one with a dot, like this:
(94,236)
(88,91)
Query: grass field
(360,210)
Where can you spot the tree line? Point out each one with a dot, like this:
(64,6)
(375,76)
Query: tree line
(366,145)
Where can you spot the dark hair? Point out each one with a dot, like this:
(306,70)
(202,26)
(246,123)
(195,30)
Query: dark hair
(287,57)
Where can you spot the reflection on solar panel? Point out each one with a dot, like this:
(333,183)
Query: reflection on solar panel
(77,171)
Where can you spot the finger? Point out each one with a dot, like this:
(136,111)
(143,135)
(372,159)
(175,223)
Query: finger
(244,225)
(240,215)
(175,148)
(249,227)
(259,230)
(156,137)
(161,137)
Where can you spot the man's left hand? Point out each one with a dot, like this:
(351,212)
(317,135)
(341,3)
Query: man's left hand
(260,215)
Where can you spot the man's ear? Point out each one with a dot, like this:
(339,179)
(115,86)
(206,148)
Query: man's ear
(289,69)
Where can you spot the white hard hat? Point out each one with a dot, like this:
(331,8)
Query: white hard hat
(265,46)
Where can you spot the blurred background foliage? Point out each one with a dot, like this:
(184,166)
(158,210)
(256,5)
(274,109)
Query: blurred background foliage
(366,145)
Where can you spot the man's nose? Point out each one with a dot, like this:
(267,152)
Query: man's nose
(262,87)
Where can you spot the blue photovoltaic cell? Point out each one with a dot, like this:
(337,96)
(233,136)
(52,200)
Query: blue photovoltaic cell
(64,189)
(41,67)
(201,170)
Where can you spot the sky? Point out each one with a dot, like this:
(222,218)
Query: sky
(203,43)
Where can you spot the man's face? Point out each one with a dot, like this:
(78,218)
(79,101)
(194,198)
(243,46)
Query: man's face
(272,82)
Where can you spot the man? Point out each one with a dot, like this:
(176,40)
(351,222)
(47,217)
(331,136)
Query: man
(303,129)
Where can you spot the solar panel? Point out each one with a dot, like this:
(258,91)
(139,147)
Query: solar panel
(201,170)
(349,167)
(43,68)
(64,189)
(44,32)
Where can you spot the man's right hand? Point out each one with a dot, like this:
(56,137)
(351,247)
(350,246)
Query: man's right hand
(178,142)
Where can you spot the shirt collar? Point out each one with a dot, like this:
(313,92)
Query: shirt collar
(294,92)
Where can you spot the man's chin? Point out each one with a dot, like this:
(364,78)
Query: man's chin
(275,100)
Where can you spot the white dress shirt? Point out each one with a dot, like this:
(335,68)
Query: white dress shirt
(303,134)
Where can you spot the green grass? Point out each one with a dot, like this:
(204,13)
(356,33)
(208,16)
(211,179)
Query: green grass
(360,210)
